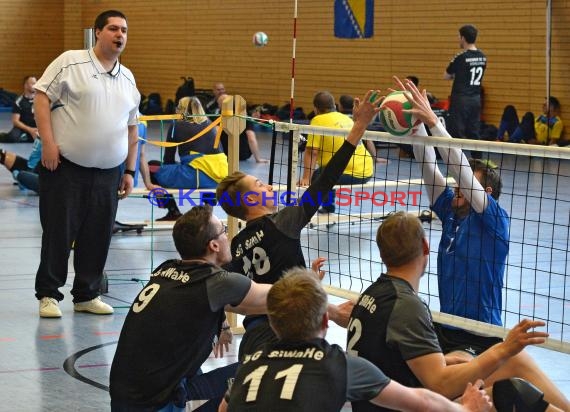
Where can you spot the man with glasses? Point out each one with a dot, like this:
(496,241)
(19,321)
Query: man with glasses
(177,318)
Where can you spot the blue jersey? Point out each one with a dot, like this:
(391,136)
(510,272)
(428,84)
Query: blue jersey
(471,260)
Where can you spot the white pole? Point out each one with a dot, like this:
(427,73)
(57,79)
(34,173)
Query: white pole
(88,38)
(548,44)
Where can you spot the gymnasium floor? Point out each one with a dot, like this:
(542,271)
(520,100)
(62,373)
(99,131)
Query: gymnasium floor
(63,364)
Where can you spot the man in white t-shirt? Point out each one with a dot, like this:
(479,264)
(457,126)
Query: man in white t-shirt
(86,111)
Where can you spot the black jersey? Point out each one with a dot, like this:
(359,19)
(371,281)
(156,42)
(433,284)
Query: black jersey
(182,131)
(305,376)
(169,330)
(271,244)
(390,325)
(25,108)
(468,67)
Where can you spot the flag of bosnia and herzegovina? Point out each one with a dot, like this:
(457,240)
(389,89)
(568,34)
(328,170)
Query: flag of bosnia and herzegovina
(353,18)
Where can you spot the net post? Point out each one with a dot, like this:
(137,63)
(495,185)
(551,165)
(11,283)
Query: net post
(233,123)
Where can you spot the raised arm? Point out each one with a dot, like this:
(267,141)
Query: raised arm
(454,158)
(425,157)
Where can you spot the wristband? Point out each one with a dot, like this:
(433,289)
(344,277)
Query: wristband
(129,172)
(226,328)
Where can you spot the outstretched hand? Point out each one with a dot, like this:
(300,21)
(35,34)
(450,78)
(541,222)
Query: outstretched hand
(520,336)
(364,110)
(317,265)
(421,107)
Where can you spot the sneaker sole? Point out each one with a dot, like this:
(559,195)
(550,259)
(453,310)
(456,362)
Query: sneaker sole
(50,316)
(93,313)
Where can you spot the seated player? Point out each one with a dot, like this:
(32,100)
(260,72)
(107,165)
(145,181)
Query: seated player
(303,372)
(201,164)
(171,325)
(393,328)
(270,242)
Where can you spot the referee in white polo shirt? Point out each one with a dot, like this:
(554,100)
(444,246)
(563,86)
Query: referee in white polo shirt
(86,111)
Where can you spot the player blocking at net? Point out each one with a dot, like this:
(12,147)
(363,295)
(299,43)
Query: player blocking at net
(270,242)
(472,252)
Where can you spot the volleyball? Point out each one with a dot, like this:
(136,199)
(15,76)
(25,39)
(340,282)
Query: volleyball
(260,39)
(394,120)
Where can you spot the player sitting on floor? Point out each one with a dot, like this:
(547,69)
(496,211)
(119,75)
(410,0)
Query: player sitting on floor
(303,372)
(270,242)
(392,327)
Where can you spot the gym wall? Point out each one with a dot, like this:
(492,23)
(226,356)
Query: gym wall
(210,40)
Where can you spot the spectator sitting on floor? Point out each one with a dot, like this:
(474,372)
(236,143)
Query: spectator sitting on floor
(24,171)
(548,126)
(525,130)
(247,139)
(345,103)
(321,148)
(25,129)
(201,164)
(509,123)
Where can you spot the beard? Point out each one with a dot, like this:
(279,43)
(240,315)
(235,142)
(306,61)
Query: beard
(463,210)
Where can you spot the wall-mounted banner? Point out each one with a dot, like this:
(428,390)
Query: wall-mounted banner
(353,19)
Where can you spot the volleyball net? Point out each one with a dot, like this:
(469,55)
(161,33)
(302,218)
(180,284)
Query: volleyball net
(535,194)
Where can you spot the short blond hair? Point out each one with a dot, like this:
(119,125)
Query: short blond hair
(229,193)
(400,239)
(296,305)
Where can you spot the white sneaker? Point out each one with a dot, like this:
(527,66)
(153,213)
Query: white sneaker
(49,308)
(96,306)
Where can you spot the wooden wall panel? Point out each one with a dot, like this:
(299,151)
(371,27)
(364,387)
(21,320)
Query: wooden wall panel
(210,40)
(30,35)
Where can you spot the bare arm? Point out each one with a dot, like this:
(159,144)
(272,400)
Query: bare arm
(145,173)
(32,131)
(449,381)
(399,397)
(254,303)
(455,158)
(253,146)
(309,164)
(50,150)
(127,181)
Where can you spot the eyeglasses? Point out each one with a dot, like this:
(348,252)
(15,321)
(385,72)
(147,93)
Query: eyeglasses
(224,230)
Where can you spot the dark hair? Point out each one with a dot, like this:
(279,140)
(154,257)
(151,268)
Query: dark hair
(489,176)
(346,103)
(324,102)
(527,126)
(469,32)
(400,239)
(510,118)
(102,19)
(414,80)
(553,103)
(229,192)
(27,77)
(193,231)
